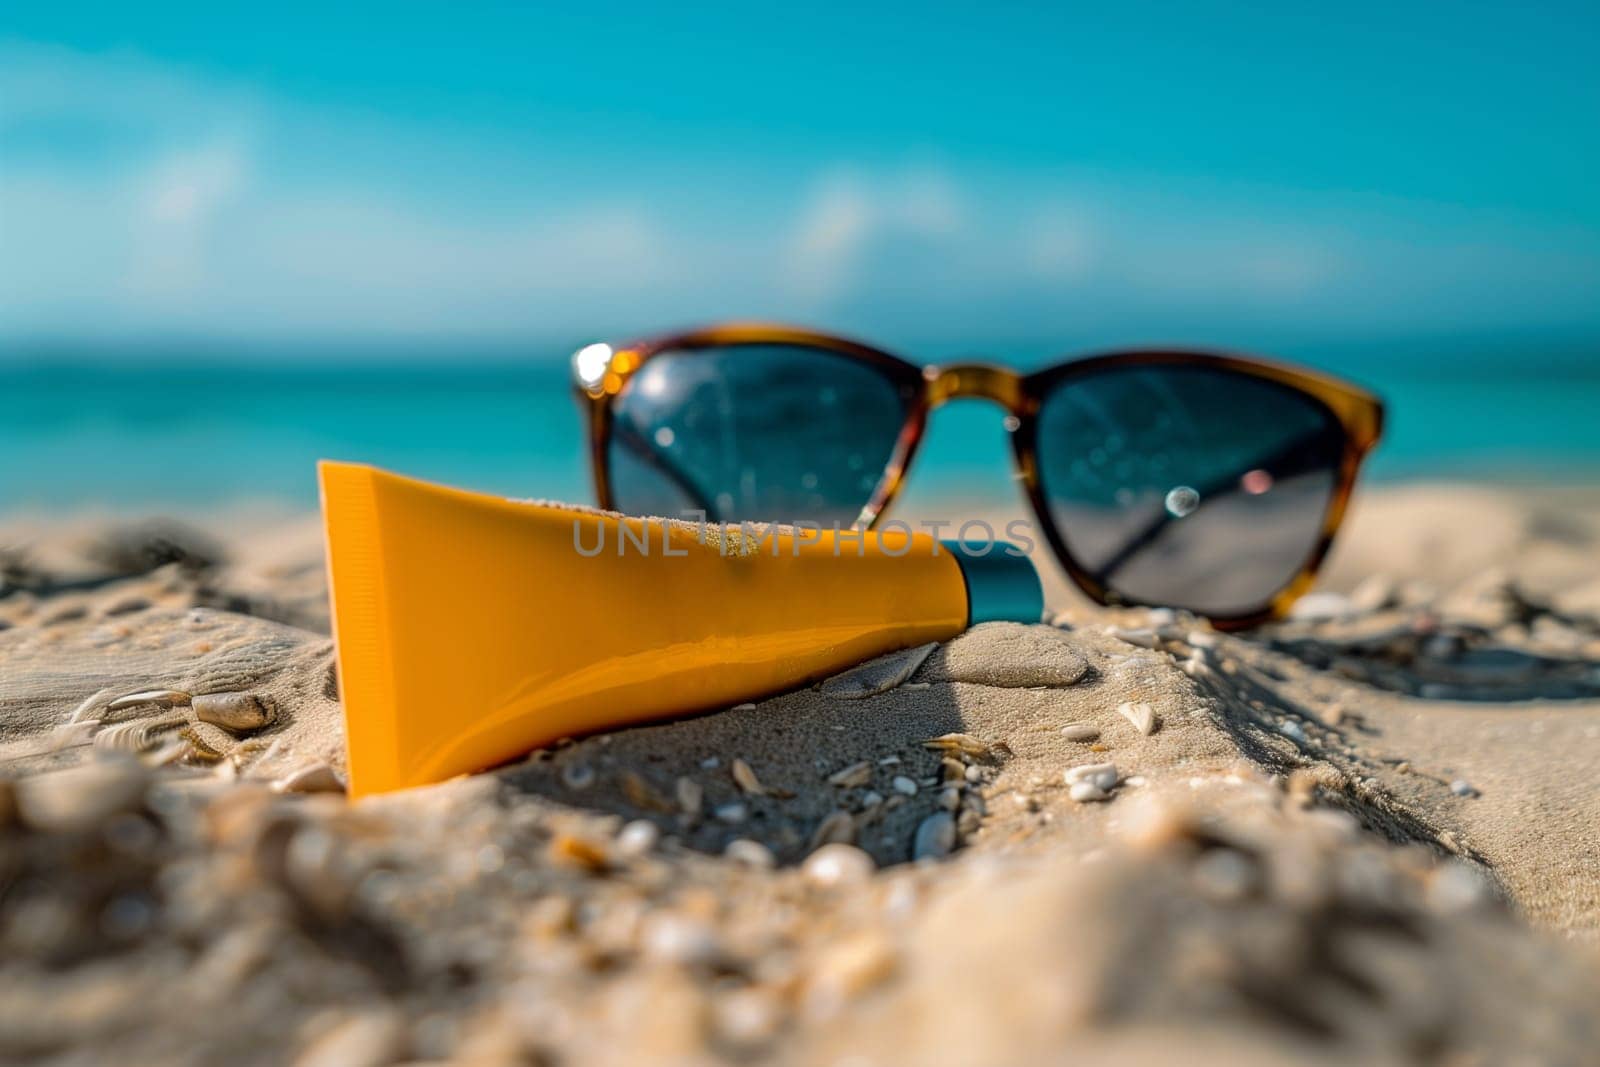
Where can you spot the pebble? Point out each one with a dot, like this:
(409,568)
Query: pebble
(1086,791)
(1462,788)
(838,864)
(1204,639)
(1142,716)
(950,799)
(904,785)
(672,938)
(577,776)
(751,854)
(734,811)
(1080,731)
(638,837)
(1103,776)
(710,763)
(691,795)
(1293,731)
(871,799)
(935,836)
(238,712)
(317,778)
(1140,637)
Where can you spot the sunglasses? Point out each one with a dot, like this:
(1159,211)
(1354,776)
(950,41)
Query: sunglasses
(1211,483)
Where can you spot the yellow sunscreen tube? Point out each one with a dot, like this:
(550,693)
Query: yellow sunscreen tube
(472,629)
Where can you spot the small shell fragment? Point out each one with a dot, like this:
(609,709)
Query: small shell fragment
(167,698)
(637,838)
(856,774)
(904,785)
(1080,731)
(748,853)
(732,813)
(137,735)
(236,712)
(746,779)
(577,776)
(966,745)
(641,794)
(1142,716)
(838,828)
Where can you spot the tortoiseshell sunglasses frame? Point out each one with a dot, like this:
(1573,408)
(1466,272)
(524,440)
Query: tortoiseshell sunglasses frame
(1358,412)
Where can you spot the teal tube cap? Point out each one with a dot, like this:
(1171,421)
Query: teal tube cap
(1002,585)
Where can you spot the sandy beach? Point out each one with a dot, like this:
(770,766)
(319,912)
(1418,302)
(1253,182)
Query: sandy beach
(1370,833)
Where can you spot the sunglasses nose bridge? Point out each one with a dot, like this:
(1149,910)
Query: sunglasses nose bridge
(981,381)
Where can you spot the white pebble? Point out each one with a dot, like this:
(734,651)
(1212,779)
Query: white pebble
(731,812)
(710,763)
(871,798)
(1086,791)
(750,853)
(838,865)
(1080,731)
(638,837)
(1102,776)
(1462,788)
(1293,731)
(1322,607)
(904,785)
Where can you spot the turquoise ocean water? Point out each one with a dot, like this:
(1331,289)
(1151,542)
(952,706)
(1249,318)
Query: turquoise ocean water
(143,431)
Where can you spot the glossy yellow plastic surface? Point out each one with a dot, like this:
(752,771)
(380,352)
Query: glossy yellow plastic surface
(471,629)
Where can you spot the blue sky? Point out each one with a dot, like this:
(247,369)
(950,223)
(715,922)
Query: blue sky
(1182,171)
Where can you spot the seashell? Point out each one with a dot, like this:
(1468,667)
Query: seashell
(744,707)
(137,735)
(748,853)
(904,785)
(745,778)
(315,778)
(1322,607)
(935,836)
(691,796)
(1102,775)
(854,775)
(1141,715)
(167,698)
(80,798)
(1080,731)
(839,827)
(950,799)
(837,864)
(237,712)
(967,745)
(877,676)
(952,770)
(577,776)
(637,837)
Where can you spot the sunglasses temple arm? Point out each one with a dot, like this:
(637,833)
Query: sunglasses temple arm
(1288,458)
(653,458)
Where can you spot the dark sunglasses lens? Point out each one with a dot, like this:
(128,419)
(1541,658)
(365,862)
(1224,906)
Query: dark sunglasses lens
(1195,487)
(759,432)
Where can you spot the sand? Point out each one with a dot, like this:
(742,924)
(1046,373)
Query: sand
(1365,834)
